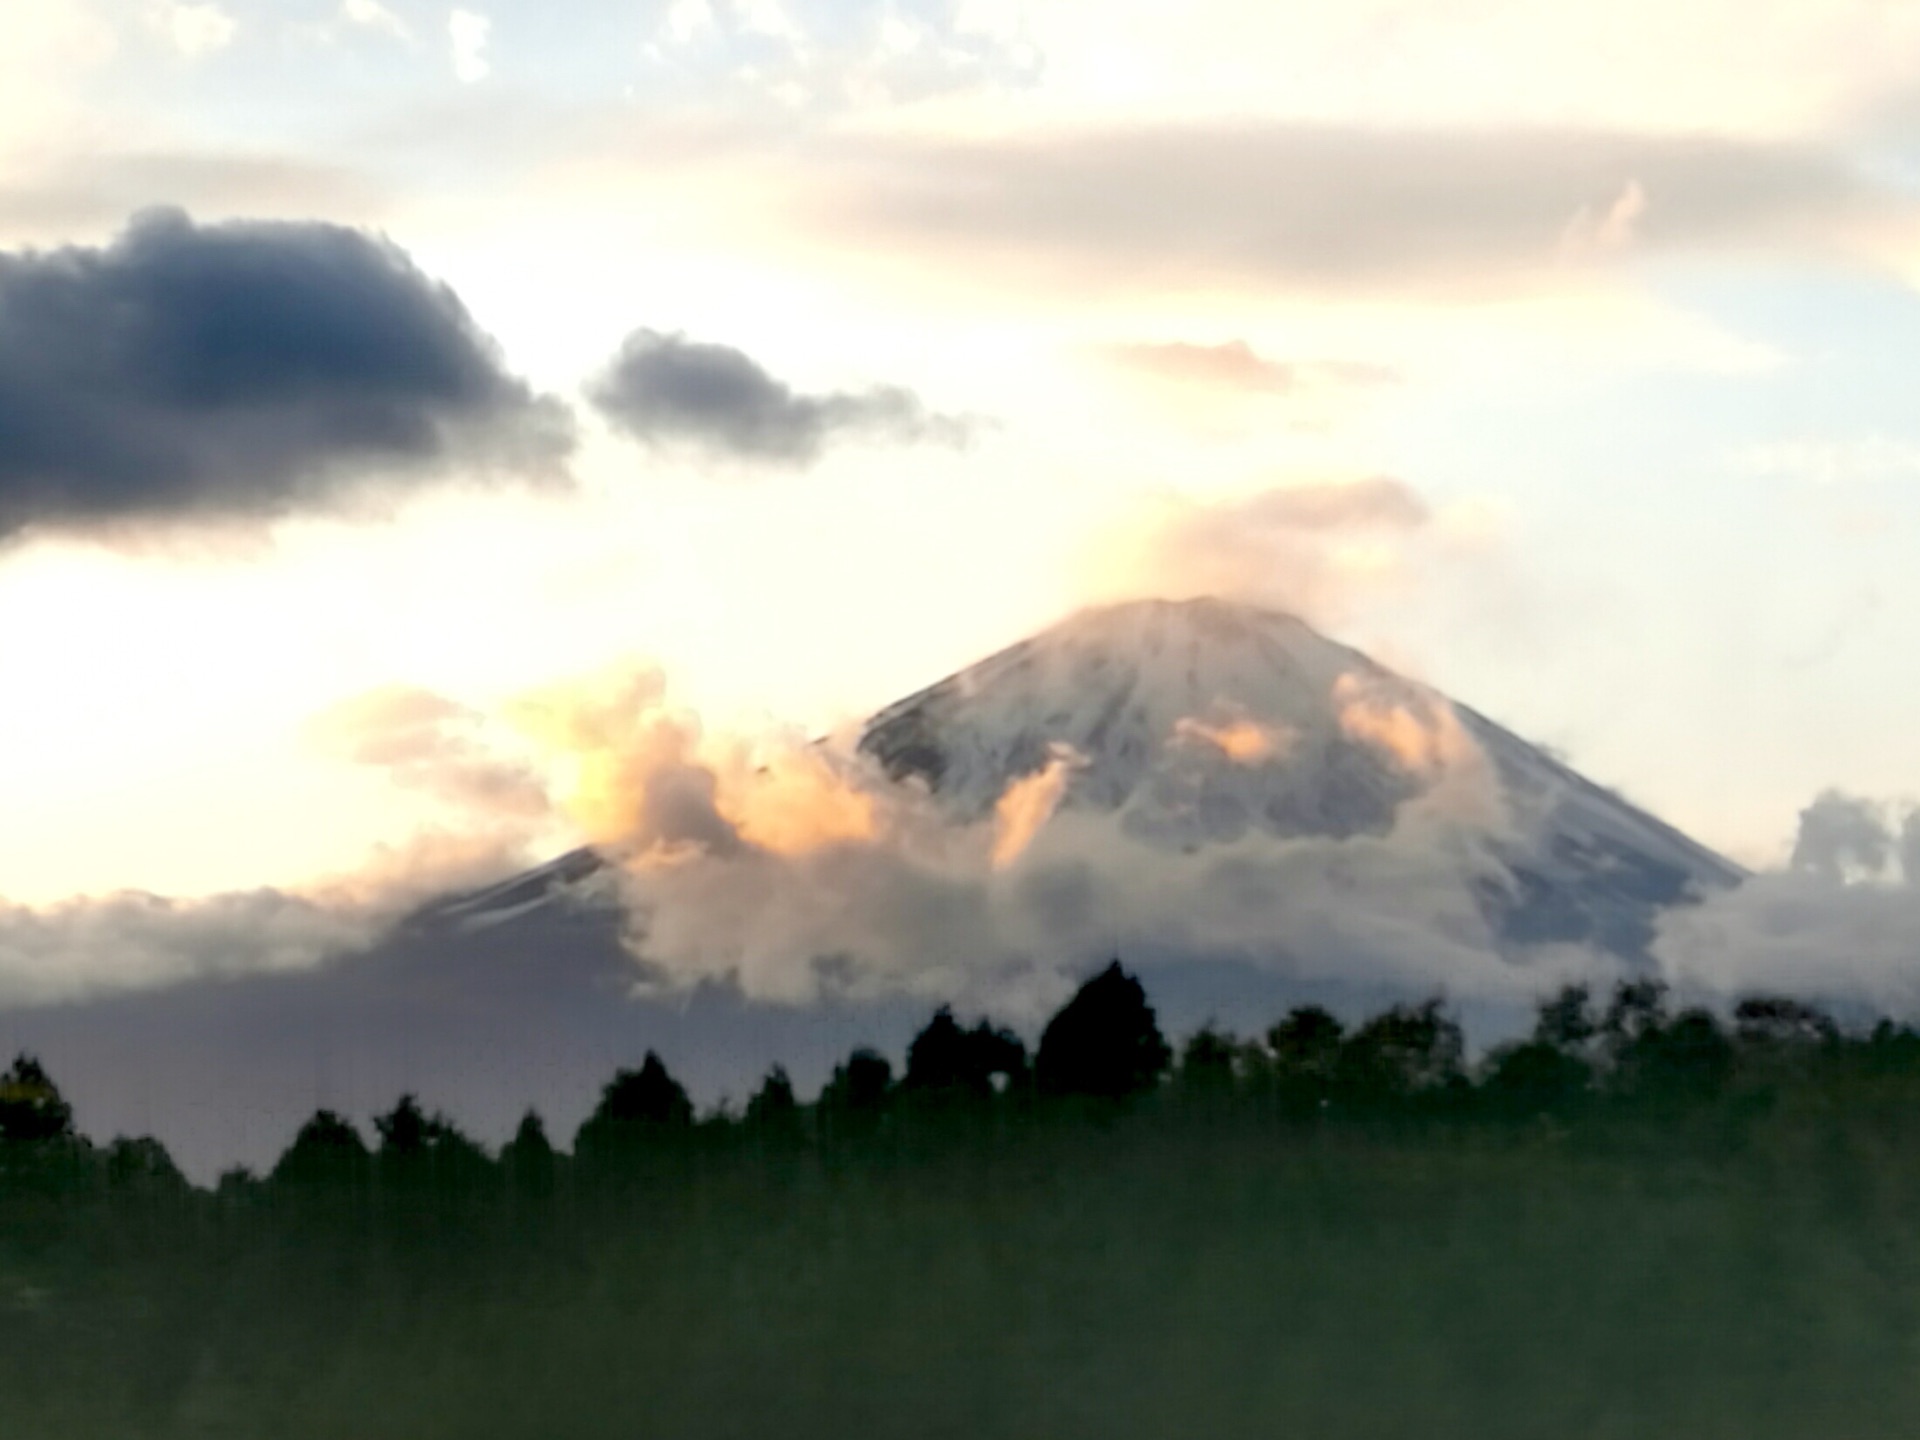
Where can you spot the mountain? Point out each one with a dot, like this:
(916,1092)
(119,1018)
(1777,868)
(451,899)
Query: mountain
(1187,730)
(1196,723)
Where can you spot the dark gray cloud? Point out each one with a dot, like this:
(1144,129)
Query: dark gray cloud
(1331,207)
(667,388)
(242,370)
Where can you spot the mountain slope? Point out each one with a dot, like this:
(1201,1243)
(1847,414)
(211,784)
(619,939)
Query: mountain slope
(1196,723)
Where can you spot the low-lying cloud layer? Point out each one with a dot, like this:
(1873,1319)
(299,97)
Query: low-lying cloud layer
(134,940)
(798,870)
(243,371)
(1840,923)
(667,389)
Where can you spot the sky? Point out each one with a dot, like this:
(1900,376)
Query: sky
(370,369)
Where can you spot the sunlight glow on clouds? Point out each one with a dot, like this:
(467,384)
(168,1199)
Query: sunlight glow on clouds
(1387,312)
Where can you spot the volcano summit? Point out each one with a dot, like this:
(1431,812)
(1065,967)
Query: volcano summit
(1199,723)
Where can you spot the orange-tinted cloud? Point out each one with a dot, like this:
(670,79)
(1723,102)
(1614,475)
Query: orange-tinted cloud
(1027,804)
(1243,741)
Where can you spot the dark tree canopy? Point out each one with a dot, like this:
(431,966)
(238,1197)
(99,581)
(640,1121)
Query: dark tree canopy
(527,1159)
(1536,1077)
(1565,1020)
(406,1129)
(143,1166)
(1209,1061)
(946,1059)
(1780,1021)
(1104,1042)
(416,1147)
(861,1083)
(31,1106)
(1306,1044)
(773,1105)
(637,1108)
(1407,1050)
(647,1096)
(328,1148)
(1687,1058)
(529,1140)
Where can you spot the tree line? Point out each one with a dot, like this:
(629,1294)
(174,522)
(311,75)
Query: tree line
(1585,1059)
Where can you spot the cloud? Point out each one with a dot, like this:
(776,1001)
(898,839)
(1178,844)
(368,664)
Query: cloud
(668,389)
(1458,213)
(1843,837)
(499,815)
(1243,741)
(1309,549)
(133,940)
(95,191)
(468,33)
(91,945)
(243,371)
(798,869)
(1841,924)
(432,745)
(1613,229)
(192,29)
(823,55)
(372,15)
(1235,365)
(929,907)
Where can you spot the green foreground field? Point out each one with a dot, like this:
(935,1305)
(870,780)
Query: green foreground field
(1166,1272)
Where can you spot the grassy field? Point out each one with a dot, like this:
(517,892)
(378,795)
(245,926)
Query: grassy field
(1172,1271)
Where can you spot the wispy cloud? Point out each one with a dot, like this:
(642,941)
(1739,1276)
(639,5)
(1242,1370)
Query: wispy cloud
(1234,365)
(1327,208)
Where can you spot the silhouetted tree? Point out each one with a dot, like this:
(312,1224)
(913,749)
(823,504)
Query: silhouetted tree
(854,1099)
(418,1148)
(1565,1020)
(1408,1050)
(862,1082)
(1103,1042)
(1638,1008)
(636,1106)
(1688,1058)
(944,1059)
(1535,1077)
(772,1109)
(327,1150)
(1305,1051)
(647,1096)
(143,1167)
(1209,1063)
(31,1106)
(1777,1021)
(528,1160)
(1892,1050)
